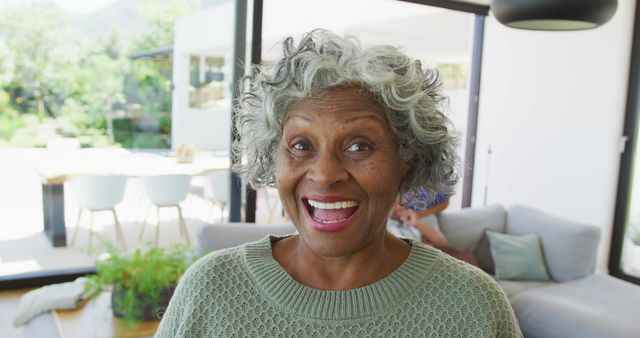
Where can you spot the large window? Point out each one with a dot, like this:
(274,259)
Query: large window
(188,97)
(150,79)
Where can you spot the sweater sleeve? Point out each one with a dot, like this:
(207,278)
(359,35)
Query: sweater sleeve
(490,313)
(177,319)
(174,313)
(506,322)
(503,319)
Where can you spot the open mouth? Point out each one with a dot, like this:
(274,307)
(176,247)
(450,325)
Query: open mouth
(330,212)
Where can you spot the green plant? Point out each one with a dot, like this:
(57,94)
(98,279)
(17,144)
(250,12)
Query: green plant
(141,278)
(635,236)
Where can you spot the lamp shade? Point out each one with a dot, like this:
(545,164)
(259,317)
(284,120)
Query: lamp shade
(553,15)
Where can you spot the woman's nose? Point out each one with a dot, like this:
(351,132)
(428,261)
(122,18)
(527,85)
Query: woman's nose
(327,169)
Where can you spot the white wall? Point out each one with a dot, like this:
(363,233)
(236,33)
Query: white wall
(552,108)
(207,32)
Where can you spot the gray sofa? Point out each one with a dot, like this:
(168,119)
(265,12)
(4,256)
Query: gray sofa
(577,303)
(221,236)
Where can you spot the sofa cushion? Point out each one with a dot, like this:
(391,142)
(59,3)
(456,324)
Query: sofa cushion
(570,248)
(596,306)
(463,229)
(483,254)
(518,257)
(513,287)
(221,236)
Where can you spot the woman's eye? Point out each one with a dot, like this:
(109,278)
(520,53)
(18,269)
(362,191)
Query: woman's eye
(300,146)
(358,147)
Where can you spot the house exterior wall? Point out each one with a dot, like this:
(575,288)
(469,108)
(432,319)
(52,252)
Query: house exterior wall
(206,32)
(552,108)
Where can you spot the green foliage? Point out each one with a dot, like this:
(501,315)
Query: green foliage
(151,86)
(634,235)
(160,18)
(143,274)
(9,118)
(145,140)
(37,47)
(50,68)
(453,74)
(23,131)
(123,131)
(456,71)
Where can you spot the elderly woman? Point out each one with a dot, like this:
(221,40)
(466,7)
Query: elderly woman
(340,131)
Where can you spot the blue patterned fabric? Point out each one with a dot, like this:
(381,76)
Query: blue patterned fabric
(422,199)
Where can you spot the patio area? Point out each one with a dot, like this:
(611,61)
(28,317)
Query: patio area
(24,248)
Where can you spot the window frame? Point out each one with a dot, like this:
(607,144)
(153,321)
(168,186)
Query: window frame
(625,177)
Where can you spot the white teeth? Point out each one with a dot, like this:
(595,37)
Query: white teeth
(333,205)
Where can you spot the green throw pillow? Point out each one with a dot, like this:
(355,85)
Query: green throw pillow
(518,257)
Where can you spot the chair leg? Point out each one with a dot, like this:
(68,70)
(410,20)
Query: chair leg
(75,232)
(140,199)
(271,205)
(223,207)
(144,222)
(211,207)
(179,226)
(90,229)
(158,225)
(189,201)
(119,234)
(183,225)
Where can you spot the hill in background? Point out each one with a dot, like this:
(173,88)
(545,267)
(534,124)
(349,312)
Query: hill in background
(122,15)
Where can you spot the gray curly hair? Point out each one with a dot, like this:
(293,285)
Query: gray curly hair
(322,60)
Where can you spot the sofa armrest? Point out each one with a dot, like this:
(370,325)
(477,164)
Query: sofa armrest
(221,236)
(570,248)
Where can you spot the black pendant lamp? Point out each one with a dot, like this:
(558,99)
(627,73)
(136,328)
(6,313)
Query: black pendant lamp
(553,15)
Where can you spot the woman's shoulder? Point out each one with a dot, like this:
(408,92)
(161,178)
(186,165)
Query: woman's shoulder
(448,271)
(463,288)
(220,263)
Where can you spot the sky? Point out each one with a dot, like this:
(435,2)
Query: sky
(73,6)
(83,6)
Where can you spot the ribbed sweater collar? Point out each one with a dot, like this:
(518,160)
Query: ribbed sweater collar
(304,301)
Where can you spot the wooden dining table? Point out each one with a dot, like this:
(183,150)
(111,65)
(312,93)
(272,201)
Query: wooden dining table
(56,167)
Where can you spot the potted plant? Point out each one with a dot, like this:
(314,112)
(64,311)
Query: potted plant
(142,282)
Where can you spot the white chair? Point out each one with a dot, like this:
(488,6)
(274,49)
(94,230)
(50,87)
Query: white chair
(166,191)
(98,193)
(271,199)
(217,191)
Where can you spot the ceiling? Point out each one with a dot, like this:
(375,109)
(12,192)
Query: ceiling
(479,2)
(417,29)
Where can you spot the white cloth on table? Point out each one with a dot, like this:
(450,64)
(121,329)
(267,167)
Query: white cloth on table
(63,296)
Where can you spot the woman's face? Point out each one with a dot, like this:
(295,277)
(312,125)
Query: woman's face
(338,171)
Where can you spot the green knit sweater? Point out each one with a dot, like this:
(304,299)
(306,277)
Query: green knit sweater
(244,292)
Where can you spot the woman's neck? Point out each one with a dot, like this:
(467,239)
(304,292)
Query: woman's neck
(370,264)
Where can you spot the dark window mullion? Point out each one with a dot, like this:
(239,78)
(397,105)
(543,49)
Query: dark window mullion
(625,177)
(239,53)
(256,58)
(472,118)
